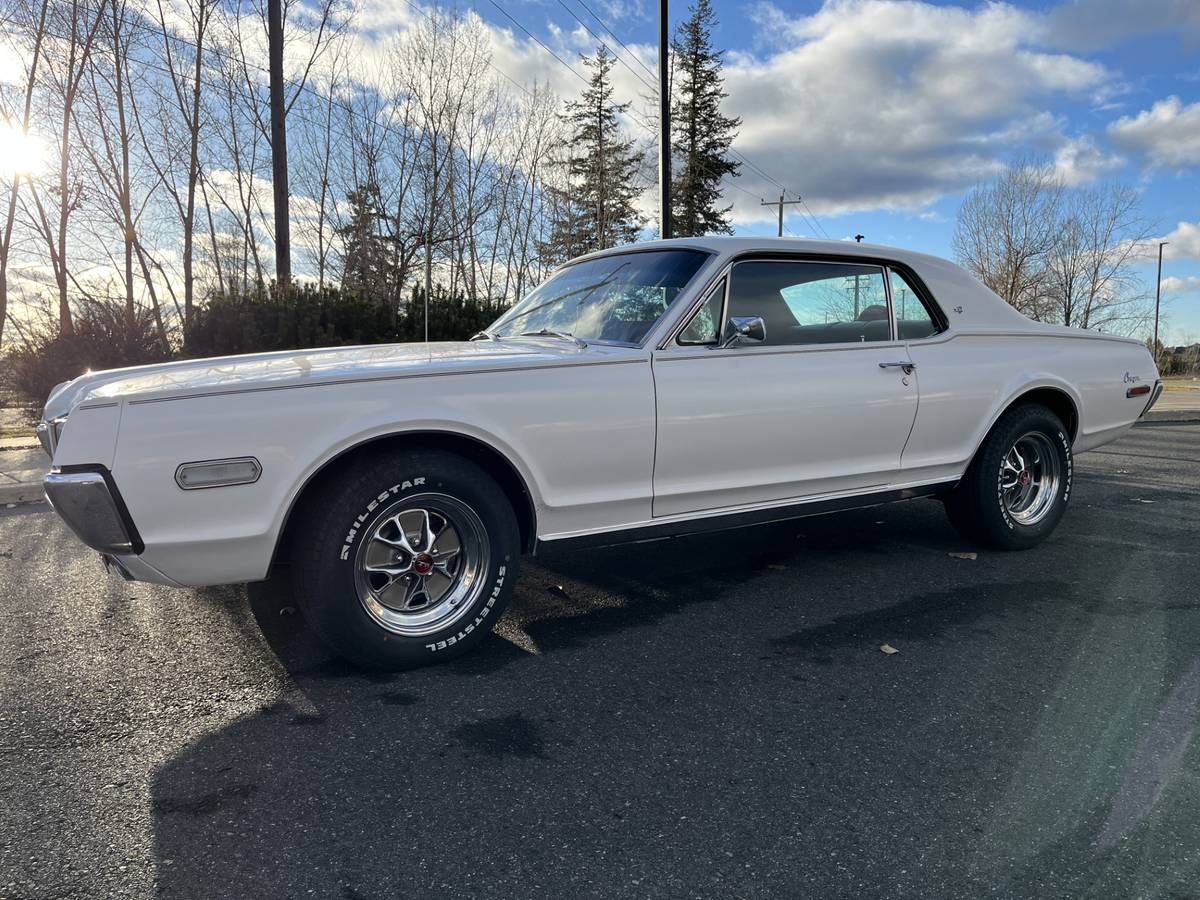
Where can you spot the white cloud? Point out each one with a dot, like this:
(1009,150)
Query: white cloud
(1183,242)
(863,104)
(1091,24)
(1078,161)
(1168,133)
(893,103)
(1173,284)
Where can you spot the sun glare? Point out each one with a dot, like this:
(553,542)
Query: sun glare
(20,153)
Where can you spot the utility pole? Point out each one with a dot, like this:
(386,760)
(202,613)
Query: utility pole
(664,121)
(781,203)
(279,166)
(1157,296)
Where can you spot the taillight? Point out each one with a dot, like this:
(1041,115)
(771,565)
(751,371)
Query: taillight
(1140,390)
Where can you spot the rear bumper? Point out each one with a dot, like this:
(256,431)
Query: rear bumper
(1154,395)
(88,501)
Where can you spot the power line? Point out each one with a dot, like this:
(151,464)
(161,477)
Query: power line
(604,25)
(491,65)
(781,203)
(815,220)
(330,99)
(738,187)
(249,99)
(652,88)
(537,41)
(734,151)
(746,160)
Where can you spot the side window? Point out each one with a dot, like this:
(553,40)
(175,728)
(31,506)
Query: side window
(913,320)
(812,302)
(705,326)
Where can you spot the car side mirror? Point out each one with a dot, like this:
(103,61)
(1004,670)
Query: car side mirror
(746,330)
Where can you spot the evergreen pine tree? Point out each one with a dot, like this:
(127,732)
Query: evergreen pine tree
(596,209)
(701,136)
(367,266)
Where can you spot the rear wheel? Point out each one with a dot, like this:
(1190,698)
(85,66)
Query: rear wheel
(408,560)
(1017,487)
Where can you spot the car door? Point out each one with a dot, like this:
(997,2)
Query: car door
(822,404)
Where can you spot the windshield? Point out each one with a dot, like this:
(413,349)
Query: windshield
(613,298)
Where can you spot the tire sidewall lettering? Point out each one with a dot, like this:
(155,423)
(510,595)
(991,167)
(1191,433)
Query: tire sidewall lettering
(492,597)
(1065,489)
(362,518)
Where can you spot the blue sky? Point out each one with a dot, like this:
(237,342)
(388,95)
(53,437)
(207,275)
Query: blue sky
(881,113)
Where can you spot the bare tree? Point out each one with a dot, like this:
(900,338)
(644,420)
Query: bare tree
(127,181)
(22,121)
(162,179)
(1006,230)
(179,105)
(285,25)
(1058,255)
(322,132)
(1091,280)
(67,70)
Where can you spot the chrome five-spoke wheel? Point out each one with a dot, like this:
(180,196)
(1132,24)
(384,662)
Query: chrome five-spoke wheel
(1029,478)
(421,564)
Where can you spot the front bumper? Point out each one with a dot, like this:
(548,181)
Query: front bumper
(48,433)
(88,501)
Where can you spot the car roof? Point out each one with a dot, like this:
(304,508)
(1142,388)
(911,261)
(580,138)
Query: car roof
(727,245)
(967,303)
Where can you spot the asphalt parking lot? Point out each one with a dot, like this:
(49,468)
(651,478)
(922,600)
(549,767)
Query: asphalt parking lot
(700,717)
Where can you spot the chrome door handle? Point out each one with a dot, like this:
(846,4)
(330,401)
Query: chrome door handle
(906,366)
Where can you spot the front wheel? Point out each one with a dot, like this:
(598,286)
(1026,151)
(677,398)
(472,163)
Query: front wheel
(407,560)
(1017,487)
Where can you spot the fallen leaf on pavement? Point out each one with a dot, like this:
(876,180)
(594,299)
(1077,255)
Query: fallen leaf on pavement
(888,649)
(963,555)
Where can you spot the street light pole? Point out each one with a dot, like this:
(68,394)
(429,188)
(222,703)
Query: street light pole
(664,121)
(1157,296)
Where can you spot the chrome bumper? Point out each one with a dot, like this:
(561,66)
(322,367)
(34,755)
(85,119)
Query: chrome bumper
(89,503)
(48,433)
(1154,395)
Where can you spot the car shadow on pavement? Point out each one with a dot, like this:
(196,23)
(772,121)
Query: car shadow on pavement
(695,716)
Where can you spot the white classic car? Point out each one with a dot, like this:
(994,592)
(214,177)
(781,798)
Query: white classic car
(640,392)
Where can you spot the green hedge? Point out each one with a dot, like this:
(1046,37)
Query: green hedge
(105,337)
(310,317)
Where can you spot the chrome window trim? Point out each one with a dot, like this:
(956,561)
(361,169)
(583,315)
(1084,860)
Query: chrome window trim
(932,308)
(682,322)
(893,322)
(757,256)
(698,306)
(706,252)
(707,351)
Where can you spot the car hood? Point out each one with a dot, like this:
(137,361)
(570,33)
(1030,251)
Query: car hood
(300,367)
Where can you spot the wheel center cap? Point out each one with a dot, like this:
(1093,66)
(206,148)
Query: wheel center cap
(1023,478)
(422,563)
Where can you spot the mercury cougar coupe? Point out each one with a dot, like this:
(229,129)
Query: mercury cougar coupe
(639,392)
